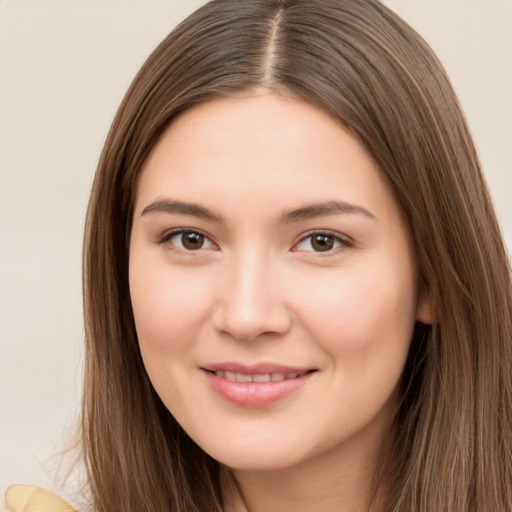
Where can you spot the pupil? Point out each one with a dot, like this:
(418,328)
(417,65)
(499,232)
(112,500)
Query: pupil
(192,241)
(322,242)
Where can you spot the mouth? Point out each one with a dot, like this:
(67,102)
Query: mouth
(258,377)
(256,385)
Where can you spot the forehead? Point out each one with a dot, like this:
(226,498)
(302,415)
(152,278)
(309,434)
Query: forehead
(263,150)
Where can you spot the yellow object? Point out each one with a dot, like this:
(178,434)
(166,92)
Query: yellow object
(32,498)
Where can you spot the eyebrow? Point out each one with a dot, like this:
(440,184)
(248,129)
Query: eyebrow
(306,212)
(321,210)
(181,208)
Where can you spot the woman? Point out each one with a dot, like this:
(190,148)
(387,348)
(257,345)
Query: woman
(296,292)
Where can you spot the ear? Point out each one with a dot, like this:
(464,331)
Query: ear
(425,310)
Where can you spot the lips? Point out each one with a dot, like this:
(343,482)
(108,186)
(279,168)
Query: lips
(255,385)
(258,377)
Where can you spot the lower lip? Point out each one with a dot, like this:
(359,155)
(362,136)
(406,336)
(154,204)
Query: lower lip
(255,394)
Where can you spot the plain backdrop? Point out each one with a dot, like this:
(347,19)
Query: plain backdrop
(64,67)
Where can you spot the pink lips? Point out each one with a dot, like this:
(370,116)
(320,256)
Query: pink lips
(255,385)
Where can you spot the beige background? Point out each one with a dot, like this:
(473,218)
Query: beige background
(64,66)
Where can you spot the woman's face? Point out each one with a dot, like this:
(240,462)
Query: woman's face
(272,282)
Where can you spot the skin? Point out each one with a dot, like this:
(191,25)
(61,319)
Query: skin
(258,290)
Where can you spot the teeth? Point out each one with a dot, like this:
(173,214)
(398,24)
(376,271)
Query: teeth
(265,377)
(260,377)
(243,377)
(230,376)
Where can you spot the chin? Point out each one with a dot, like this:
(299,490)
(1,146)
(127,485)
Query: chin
(258,463)
(255,456)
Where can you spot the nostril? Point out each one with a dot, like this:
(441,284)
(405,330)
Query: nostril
(248,324)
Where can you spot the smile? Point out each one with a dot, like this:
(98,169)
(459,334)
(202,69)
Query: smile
(260,377)
(255,386)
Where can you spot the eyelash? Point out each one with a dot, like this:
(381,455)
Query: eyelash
(166,238)
(343,242)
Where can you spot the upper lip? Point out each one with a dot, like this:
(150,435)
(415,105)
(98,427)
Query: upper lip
(255,369)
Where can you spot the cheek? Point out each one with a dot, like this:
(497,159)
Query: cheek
(364,326)
(363,316)
(168,307)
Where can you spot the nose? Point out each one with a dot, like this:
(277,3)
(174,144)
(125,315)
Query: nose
(251,302)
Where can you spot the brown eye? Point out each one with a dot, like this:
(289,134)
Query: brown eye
(187,240)
(192,241)
(322,243)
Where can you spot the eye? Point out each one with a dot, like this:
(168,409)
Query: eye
(321,242)
(187,240)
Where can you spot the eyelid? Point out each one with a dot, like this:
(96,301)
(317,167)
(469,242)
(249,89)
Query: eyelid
(167,235)
(344,240)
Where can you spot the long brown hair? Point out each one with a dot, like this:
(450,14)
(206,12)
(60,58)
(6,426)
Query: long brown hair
(362,64)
